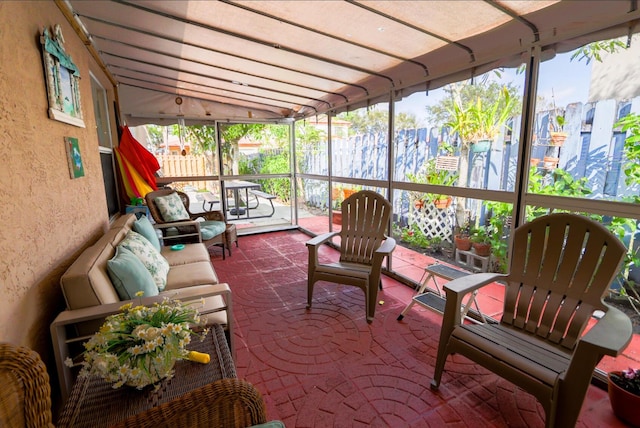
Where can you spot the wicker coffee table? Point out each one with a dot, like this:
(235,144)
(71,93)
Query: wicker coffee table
(94,403)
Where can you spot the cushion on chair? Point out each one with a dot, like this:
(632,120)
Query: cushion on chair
(129,275)
(171,207)
(209,229)
(144,227)
(151,258)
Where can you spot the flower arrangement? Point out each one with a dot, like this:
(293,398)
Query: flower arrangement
(628,379)
(140,345)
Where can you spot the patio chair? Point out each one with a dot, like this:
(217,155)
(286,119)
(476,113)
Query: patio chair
(561,267)
(25,400)
(178,226)
(363,246)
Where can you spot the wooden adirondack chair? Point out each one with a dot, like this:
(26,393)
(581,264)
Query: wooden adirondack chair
(561,266)
(363,246)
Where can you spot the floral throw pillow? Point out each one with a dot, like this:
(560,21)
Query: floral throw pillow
(171,207)
(151,258)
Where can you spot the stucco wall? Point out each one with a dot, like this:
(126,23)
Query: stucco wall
(47,218)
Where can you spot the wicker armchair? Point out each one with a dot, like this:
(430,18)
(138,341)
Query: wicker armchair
(223,240)
(228,403)
(25,400)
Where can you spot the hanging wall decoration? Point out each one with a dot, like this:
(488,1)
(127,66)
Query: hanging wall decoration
(63,79)
(76,169)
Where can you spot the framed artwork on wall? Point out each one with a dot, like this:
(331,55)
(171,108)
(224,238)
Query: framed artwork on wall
(62,78)
(76,168)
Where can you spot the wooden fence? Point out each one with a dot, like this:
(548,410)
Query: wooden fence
(184,166)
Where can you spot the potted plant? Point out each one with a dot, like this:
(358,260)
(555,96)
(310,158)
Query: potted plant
(462,238)
(556,133)
(624,395)
(480,241)
(479,123)
(430,174)
(442,201)
(140,345)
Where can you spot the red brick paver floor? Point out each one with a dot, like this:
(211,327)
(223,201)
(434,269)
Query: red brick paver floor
(326,367)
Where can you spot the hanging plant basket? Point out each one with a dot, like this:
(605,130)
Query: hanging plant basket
(481,146)
(558,138)
(624,404)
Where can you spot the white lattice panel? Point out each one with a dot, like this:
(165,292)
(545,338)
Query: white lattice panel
(432,221)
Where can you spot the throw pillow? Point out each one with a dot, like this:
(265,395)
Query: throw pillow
(144,227)
(171,207)
(129,275)
(151,258)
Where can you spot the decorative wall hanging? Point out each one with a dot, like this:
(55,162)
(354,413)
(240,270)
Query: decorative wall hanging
(63,79)
(76,169)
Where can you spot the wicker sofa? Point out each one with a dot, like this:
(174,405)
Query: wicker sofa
(90,294)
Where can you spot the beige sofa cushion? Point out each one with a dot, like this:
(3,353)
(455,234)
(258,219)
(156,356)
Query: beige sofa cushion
(86,283)
(188,275)
(190,254)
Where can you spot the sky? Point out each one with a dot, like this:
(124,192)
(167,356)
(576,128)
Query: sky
(561,79)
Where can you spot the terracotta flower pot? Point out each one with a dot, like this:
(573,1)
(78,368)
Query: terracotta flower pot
(550,162)
(442,203)
(558,138)
(462,242)
(482,249)
(624,404)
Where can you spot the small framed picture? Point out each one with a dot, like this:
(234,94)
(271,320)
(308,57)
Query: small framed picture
(76,168)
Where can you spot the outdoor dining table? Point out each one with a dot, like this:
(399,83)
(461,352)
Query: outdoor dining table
(236,186)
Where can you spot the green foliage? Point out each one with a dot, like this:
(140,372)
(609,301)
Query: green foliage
(377,120)
(307,134)
(563,184)
(631,150)
(429,174)
(481,234)
(415,237)
(497,232)
(276,164)
(155,135)
(464,95)
(594,51)
(480,118)
(202,138)
(231,134)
